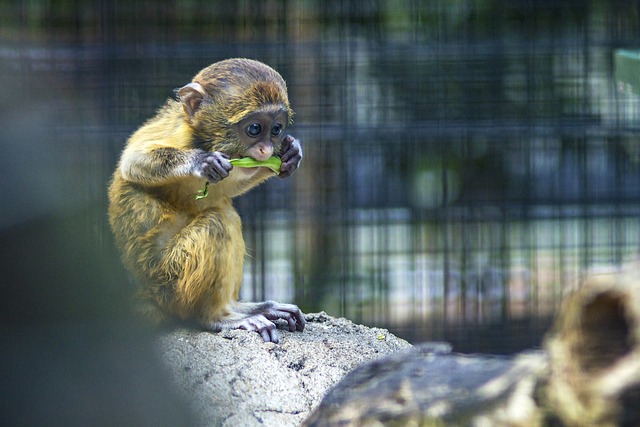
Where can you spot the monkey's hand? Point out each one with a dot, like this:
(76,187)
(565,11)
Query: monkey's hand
(213,167)
(291,155)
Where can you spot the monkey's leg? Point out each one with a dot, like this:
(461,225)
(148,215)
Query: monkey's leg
(203,263)
(206,259)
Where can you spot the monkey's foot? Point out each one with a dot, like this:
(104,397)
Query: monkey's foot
(261,325)
(259,317)
(289,312)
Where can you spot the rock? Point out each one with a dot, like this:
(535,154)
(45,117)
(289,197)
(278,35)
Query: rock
(233,378)
(588,372)
(430,386)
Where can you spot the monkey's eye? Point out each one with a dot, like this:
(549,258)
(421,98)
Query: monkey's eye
(254,129)
(276,129)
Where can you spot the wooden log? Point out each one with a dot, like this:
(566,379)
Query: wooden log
(594,352)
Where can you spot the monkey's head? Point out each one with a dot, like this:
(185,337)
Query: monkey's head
(236,104)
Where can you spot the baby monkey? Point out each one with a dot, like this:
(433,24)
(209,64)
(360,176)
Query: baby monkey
(188,252)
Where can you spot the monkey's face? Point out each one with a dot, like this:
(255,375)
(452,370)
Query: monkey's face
(260,134)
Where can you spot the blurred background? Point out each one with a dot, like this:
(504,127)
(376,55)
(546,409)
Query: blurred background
(466,161)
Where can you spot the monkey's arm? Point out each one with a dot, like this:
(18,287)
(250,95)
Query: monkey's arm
(291,155)
(163,164)
(258,317)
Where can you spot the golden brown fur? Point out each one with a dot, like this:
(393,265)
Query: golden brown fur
(187,253)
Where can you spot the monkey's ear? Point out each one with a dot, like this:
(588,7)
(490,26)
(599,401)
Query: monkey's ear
(191,96)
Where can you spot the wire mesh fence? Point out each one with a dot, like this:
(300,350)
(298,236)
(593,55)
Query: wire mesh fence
(465,162)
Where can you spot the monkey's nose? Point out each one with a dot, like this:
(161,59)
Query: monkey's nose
(262,151)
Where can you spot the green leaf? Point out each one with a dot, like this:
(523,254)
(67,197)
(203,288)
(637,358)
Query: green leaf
(272,163)
(201,194)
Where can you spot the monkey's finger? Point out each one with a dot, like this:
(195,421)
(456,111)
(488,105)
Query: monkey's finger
(286,148)
(289,312)
(266,337)
(221,166)
(292,324)
(300,320)
(222,161)
(287,169)
(296,320)
(220,171)
(273,336)
(261,325)
(291,148)
(268,332)
(292,163)
(213,176)
(286,142)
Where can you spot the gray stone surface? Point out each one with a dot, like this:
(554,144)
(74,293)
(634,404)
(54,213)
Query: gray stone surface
(233,378)
(429,386)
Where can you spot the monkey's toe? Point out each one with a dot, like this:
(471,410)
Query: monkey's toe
(261,325)
(289,312)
